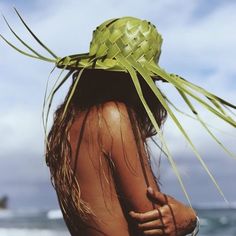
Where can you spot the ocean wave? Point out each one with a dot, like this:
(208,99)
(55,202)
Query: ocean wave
(22,213)
(54,214)
(215,205)
(7,214)
(31,232)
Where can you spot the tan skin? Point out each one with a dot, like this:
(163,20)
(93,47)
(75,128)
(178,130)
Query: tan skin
(172,212)
(113,193)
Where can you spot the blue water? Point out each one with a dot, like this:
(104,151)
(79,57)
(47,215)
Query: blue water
(214,222)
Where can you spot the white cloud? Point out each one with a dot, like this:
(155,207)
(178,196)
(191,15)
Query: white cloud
(201,49)
(21,130)
(204,43)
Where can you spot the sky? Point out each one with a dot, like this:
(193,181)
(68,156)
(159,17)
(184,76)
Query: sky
(199,44)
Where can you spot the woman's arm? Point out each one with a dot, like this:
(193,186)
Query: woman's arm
(178,218)
(119,141)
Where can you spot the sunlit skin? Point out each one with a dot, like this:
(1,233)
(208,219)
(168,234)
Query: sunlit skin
(100,187)
(177,218)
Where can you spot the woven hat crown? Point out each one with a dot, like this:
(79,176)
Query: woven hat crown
(128,36)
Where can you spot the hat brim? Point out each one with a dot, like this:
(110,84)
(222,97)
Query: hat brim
(84,60)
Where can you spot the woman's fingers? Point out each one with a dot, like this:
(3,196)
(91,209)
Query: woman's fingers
(144,217)
(171,217)
(155,224)
(154,232)
(156,197)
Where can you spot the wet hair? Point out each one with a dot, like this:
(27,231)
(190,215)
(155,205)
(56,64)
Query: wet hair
(94,88)
(97,87)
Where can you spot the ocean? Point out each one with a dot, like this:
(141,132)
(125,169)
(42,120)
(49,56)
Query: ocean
(214,222)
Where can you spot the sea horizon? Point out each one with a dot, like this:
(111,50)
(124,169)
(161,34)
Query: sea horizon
(215,219)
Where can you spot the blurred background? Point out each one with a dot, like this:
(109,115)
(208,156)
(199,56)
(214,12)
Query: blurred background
(199,44)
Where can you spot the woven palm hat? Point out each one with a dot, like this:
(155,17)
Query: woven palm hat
(127,37)
(133,46)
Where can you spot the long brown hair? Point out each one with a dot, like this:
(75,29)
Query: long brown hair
(94,88)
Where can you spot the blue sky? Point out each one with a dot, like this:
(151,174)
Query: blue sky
(199,44)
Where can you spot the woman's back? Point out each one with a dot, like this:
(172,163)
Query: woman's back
(100,139)
(95,179)
(100,176)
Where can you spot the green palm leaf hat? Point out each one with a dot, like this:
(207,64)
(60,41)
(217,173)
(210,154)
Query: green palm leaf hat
(133,46)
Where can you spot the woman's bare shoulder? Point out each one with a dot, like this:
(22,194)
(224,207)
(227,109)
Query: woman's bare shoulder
(116,118)
(114,111)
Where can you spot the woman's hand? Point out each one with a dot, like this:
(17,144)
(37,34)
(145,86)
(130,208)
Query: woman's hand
(172,218)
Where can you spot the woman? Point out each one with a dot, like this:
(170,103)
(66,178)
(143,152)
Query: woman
(102,141)
(96,149)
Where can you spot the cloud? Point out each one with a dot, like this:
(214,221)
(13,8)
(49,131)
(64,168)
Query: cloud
(198,45)
(22,133)
(198,184)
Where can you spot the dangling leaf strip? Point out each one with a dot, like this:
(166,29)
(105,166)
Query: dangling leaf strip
(145,74)
(20,51)
(122,60)
(58,78)
(178,84)
(204,125)
(44,104)
(34,36)
(161,99)
(26,45)
(207,94)
(194,118)
(229,110)
(35,54)
(54,92)
(72,92)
